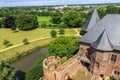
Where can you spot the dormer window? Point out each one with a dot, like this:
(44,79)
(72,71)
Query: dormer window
(113,58)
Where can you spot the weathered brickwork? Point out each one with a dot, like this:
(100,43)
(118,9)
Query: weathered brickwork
(54,71)
(102,64)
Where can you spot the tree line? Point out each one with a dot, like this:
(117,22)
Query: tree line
(110,9)
(22,22)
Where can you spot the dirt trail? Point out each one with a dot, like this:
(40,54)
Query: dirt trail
(22,44)
(77,32)
(75,29)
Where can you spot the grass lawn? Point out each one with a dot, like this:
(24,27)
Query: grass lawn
(16,38)
(8,53)
(42,20)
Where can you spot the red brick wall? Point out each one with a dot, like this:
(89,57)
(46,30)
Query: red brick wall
(103,59)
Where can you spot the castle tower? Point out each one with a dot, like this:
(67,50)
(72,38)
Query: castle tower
(49,66)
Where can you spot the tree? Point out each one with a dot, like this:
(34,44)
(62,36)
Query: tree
(56,18)
(102,12)
(27,22)
(63,46)
(9,22)
(53,33)
(61,31)
(111,9)
(73,18)
(6,73)
(25,41)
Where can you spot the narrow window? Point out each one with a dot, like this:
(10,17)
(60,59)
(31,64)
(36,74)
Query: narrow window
(113,58)
(117,73)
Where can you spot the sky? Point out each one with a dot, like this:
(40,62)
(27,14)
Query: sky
(51,2)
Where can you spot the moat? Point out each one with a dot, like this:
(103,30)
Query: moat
(25,63)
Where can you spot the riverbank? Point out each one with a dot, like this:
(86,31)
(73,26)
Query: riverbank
(29,62)
(15,53)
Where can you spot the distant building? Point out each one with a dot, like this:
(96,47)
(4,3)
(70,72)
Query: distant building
(100,46)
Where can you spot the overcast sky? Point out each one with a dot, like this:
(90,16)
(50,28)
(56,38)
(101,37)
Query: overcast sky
(51,2)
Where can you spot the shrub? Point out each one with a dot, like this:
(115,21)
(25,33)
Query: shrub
(25,41)
(61,31)
(6,43)
(53,33)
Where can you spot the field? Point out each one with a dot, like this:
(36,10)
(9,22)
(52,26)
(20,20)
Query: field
(42,20)
(17,37)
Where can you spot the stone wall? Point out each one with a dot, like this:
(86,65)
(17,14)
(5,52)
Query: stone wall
(49,66)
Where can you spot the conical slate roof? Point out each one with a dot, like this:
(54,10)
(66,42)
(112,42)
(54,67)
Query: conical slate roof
(92,20)
(111,24)
(102,43)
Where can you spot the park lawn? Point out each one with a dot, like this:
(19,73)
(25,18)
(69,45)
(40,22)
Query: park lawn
(23,48)
(17,37)
(42,20)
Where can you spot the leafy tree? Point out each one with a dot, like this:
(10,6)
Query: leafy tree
(25,41)
(56,18)
(27,22)
(61,31)
(6,43)
(102,12)
(63,46)
(111,9)
(6,73)
(9,22)
(53,33)
(73,18)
